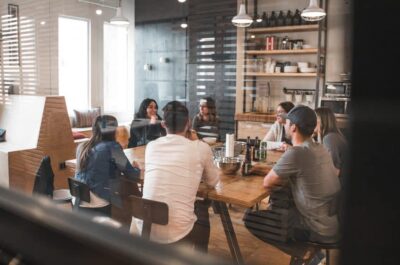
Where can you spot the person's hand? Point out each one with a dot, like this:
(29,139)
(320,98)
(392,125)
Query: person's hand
(284,147)
(135,164)
(192,135)
(153,119)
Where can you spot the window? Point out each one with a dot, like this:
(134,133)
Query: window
(73,62)
(116,97)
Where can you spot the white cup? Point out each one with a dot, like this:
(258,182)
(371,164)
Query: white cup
(298,98)
(278,69)
(288,97)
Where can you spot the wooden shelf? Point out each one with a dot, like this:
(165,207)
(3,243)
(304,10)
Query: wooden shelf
(313,27)
(283,74)
(300,51)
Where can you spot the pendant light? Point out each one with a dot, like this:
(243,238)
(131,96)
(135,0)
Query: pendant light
(118,19)
(242,20)
(313,12)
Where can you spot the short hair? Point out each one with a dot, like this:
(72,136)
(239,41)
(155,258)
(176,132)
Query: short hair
(287,106)
(176,116)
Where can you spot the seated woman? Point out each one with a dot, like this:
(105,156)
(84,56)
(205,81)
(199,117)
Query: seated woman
(206,123)
(100,160)
(278,135)
(330,136)
(147,124)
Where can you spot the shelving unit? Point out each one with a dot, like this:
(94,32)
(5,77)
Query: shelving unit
(318,53)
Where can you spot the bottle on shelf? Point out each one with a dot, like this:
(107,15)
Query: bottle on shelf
(256,150)
(297,18)
(246,167)
(263,151)
(289,18)
(280,21)
(272,19)
(264,18)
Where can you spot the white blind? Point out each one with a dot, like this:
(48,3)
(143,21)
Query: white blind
(18,70)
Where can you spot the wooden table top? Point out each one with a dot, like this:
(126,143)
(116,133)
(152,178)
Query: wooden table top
(236,189)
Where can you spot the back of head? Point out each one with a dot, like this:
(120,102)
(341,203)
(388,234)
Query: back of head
(304,118)
(287,106)
(176,117)
(327,121)
(104,127)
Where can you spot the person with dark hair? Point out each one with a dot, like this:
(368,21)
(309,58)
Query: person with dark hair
(206,123)
(175,165)
(278,136)
(327,133)
(308,171)
(146,125)
(101,159)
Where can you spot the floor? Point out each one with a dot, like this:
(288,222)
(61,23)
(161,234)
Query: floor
(254,251)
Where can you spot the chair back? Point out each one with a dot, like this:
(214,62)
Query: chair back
(79,190)
(150,212)
(44,180)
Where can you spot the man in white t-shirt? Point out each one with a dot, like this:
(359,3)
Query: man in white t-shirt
(174,167)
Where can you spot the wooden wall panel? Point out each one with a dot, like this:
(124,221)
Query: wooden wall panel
(55,140)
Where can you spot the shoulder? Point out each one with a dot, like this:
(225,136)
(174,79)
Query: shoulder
(334,139)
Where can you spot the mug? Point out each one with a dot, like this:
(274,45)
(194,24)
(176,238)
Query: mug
(278,69)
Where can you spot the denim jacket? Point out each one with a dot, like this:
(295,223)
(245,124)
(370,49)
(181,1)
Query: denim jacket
(106,162)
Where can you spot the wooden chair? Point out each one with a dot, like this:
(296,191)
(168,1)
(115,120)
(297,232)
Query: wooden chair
(150,212)
(79,190)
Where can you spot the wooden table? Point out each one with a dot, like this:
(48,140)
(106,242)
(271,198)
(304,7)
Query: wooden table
(232,189)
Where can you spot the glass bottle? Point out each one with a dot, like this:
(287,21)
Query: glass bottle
(256,150)
(247,161)
(297,18)
(263,151)
(280,21)
(264,18)
(272,19)
(289,18)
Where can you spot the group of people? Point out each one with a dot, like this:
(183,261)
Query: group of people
(311,166)
(147,127)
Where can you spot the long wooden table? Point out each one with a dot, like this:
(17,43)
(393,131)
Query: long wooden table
(232,189)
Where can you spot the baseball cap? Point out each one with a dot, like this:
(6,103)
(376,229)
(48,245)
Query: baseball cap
(304,117)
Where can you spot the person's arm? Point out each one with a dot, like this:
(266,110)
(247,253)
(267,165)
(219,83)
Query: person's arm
(272,181)
(123,164)
(333,147)
(286,167)
(271,135)
(210,173)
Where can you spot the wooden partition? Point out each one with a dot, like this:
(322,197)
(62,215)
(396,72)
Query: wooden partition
(53,138)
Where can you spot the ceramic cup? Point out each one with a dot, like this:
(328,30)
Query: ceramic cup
(288,97)
(277,69)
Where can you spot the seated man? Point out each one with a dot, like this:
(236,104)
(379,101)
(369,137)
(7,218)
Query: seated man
(307,169)
(174,167)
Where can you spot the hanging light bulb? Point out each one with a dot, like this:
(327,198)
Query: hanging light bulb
(184,24)
(257,18)
(119,19)
(181,1)
(313,12)
(242,19)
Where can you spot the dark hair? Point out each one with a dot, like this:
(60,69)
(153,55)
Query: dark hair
(176,116)
(142,112)
(328,121)
(212,109)
(286,105)
(103,129)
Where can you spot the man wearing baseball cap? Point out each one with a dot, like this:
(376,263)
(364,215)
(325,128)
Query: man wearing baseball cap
(307,169)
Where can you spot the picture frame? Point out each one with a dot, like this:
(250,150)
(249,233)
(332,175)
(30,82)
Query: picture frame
(13,12)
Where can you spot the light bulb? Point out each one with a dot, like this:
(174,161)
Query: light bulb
(99,12)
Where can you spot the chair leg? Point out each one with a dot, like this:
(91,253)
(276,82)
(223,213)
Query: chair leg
(327,257)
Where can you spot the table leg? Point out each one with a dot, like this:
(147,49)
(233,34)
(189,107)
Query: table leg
(222,209)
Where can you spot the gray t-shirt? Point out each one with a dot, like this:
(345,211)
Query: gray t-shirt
(337,147)
(312,177)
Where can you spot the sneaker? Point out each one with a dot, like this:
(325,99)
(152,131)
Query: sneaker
(317,259)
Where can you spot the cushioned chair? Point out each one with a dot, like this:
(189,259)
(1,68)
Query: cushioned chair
(150,212)
(44,183)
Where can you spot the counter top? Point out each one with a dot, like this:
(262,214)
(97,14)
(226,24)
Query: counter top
(256,116)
